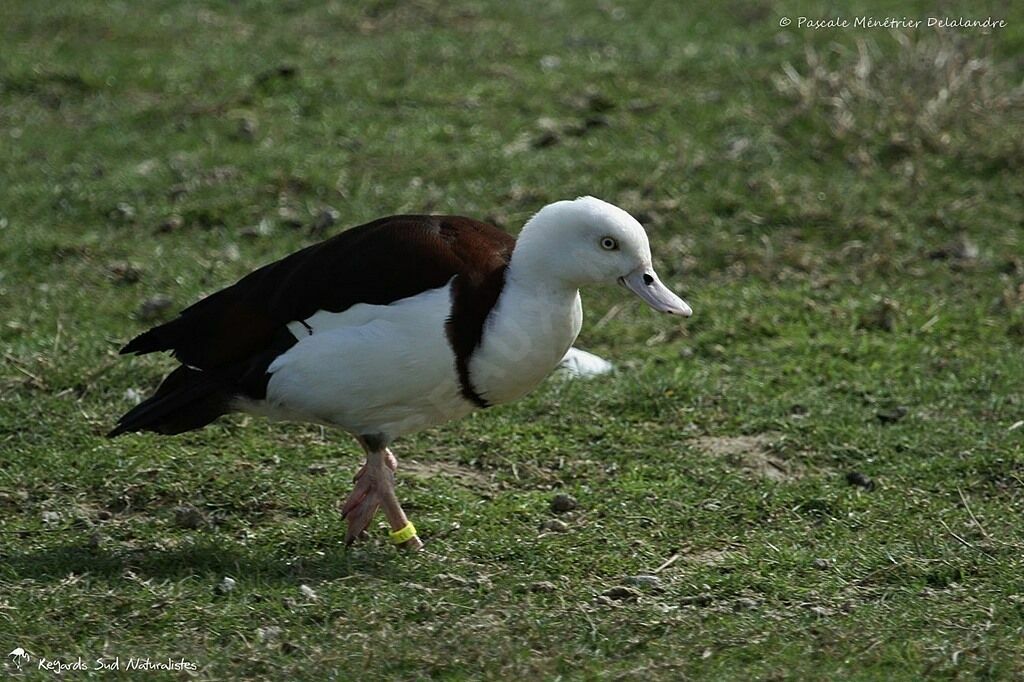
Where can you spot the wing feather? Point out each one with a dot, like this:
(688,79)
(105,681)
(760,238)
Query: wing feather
(236,332)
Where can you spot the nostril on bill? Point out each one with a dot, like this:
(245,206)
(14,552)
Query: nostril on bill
(648,280)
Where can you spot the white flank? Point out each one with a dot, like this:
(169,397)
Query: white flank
(370,369)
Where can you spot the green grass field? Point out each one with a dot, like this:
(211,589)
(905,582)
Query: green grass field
(820,467)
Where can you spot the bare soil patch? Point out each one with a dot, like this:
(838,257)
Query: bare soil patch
(754,455)
(467,476)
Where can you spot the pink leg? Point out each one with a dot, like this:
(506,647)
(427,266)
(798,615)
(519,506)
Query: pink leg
(390,460)
(362,503)
(375,488)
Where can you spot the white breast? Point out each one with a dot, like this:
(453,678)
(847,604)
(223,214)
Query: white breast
(524,339)
(370,369)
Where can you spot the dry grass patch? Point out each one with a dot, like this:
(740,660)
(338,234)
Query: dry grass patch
(934,92)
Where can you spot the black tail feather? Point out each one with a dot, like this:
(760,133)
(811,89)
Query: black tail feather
(147,342)
(187,399)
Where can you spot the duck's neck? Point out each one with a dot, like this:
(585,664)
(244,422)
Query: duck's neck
(524,277)
(533,324)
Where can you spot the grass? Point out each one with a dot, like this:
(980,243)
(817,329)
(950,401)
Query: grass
(842,208)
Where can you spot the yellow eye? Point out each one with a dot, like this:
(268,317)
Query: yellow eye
(609,244)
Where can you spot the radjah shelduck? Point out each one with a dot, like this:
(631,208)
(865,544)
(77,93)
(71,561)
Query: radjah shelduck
(395,326)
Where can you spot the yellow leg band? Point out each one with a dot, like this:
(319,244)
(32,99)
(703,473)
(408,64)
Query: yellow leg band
(403,534)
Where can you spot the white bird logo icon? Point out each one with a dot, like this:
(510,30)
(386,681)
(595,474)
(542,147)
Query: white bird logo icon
(19,656)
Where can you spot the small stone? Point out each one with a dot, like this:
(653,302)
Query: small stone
(822,564)
(555,526)
(123,272)
(246,128)
(882,318)
(547,138)
(738,146)
(1011,266)
(961,248)
(187,516)
(154,307)
(745,604)
(562,503)
(308,592)
(621,593)
(289,217)
(282,71)
(893,415)
(225,586)
(543,586)
(50,518)
(133,396)
(231,253)
(646,581)
(270,633)
(581,128)
(550,62)
(861,480)
(147,167)
(124,212)
(327,218)
(686,352)
(170,224)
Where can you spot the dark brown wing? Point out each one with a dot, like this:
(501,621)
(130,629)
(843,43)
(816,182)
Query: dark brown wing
(235,333)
